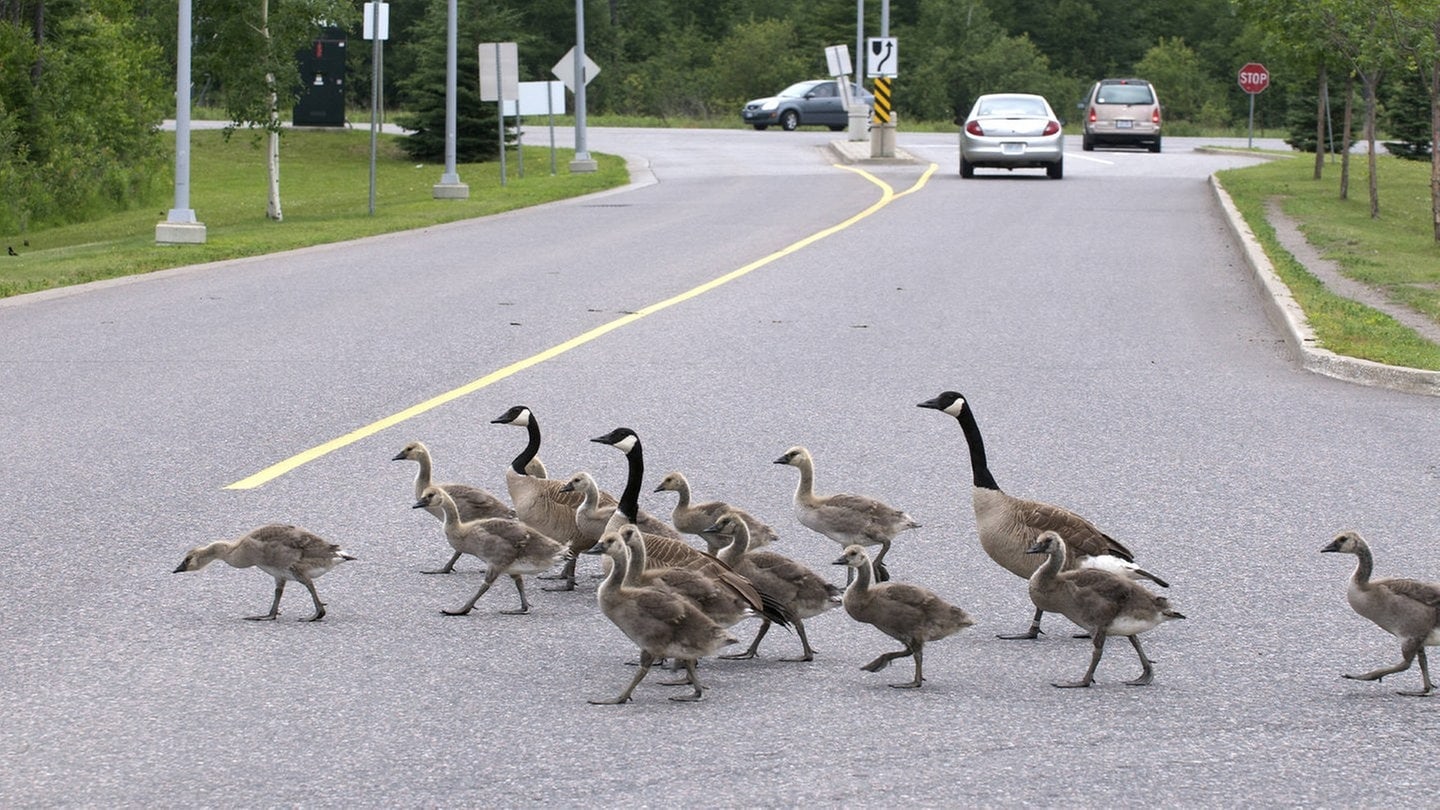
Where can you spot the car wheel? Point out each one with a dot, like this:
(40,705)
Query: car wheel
(1087,144)
(967,169)
(789,120)
(1055,170)
(1155,147)
(836,127)
(761,127)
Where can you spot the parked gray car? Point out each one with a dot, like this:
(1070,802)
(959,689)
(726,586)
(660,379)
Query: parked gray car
(811,103)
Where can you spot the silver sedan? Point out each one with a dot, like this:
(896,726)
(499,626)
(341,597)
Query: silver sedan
(1012,131)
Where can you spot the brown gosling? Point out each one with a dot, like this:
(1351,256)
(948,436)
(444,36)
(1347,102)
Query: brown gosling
(1008,525)
(506,546)
(846,519)
(660,622)
(282,551)
(474,503)
(910,614)
(1406,608)
(1103,602)
(592,516)
(698,517)
(803,592)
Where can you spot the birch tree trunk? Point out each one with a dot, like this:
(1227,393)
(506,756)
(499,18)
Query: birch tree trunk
(1345,137)
(272,149)
(1371,80)
(1322,109)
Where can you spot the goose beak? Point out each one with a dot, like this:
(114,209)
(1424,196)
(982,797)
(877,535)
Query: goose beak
(1333,545)
(658,488)
(714,529)
(780,460)
(566,487)
(420,504)
(180,569)
(932,404)
(841,561)
(595,550)
(400,456)
(1038,547)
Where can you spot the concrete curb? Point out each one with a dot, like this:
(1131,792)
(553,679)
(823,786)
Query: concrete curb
(1285,312)
(859,152)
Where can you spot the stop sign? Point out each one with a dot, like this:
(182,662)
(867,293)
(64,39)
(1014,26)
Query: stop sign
(1254,78)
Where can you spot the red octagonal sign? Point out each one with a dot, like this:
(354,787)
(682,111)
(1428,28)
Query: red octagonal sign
(1254,78)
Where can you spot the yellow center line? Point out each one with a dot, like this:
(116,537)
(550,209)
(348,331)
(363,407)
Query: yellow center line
(887,196)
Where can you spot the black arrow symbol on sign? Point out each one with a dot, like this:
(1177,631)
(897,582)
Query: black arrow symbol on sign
(889,49)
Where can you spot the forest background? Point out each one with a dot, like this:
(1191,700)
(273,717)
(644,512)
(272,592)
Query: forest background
(84,84)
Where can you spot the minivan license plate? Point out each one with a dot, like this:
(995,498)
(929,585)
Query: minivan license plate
(1124,124)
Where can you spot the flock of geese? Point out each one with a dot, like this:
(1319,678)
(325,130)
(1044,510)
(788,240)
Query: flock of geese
(676,602)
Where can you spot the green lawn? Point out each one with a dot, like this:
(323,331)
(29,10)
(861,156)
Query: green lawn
(324,192)
(1396,253)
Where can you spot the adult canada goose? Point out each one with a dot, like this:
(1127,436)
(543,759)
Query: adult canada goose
(1407,608)
(660,622)
(910,614)
(282,551)
(846,519)
(507,546)
(698,518)
(473,503)
(1008,526)
(664,552)
(803,592)
(1103,602)
(591,517)
(539,502)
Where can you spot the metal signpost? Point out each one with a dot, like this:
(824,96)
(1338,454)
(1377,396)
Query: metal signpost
(499,82)
(882,61)
(377,30)
(1253,79)
(576,70)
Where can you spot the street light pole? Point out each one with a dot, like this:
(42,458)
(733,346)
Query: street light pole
(180,226)
(450,187)
(582,162)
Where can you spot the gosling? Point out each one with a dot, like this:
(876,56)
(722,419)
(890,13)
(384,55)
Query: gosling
(282,551)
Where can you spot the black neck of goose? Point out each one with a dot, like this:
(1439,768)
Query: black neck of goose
(979,468)
(532,428)
(630,498)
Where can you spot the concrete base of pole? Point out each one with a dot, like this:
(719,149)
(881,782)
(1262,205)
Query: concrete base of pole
(882,140)
(583,166)
(450,191)
(180,233)
(859,117)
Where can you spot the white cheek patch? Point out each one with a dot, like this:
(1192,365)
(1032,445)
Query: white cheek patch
(523,419)
(627,444)
(956,407)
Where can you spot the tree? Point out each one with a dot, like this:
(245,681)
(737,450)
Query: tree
(248,47)
(1417,30)
(1174,67)
(476,126)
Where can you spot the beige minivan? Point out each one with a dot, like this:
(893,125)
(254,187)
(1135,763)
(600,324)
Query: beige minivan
(1121,112)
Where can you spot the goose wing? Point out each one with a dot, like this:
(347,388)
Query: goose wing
(474,503)
(1081,536)
(1426,593)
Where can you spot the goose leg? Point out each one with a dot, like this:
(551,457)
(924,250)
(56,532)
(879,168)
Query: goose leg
(754,645)
(1033,632)
(274,606)
(566,577)
(699,690)
(688,663)
(919,670)
(315,597)
(807,654)
(1424,676)
(1094,662)
(524,603)
(1148,673)
(882,574)
(884,660)
(646,659)
(450,566)
(1410,647)
(490,577)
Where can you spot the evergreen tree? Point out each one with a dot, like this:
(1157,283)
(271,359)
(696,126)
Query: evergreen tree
(1407,116)
(476,135)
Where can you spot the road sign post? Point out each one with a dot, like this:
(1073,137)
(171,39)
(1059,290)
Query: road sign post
(1253,79)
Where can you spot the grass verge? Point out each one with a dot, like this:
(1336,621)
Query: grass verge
(1396,253)
(324,192)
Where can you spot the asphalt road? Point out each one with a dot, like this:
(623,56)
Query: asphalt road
(1103,327)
